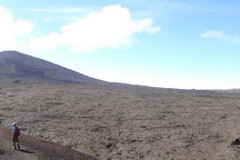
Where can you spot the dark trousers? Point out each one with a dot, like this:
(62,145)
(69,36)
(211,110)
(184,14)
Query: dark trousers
(15,141)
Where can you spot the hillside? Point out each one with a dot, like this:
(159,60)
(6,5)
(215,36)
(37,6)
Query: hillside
(19,67)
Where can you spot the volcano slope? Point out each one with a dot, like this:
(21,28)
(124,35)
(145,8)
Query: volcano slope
(116,121)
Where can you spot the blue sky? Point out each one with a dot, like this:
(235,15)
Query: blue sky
(185,44)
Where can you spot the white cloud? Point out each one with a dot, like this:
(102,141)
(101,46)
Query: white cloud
(13,32)
(221,36)
(113,27)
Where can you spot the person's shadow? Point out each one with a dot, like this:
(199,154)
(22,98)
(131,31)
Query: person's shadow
(26,151)
(1,151)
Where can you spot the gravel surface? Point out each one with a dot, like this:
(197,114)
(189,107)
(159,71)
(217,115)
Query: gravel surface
(126,122)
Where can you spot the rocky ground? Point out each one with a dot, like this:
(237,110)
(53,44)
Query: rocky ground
(126,122)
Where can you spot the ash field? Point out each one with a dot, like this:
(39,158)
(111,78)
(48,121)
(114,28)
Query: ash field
(116,121)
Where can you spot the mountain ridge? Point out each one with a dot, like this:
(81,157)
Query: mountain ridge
(16,65)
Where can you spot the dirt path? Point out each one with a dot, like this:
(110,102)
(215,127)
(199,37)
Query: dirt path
(33,148)
(8,153)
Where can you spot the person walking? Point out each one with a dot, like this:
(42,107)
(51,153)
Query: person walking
(15,135)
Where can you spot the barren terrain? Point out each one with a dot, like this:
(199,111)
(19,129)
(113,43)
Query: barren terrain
(126,122)
(116,121)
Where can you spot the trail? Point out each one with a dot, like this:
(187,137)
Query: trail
(8,153)
(33,148)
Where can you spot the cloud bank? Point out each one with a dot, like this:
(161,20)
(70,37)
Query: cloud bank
(112,26)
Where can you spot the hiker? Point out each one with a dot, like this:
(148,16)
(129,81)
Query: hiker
(15,135)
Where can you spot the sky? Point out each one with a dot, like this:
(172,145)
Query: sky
(187,44)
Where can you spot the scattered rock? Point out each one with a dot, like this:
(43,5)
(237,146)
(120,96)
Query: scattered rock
(236,142)
(109,145)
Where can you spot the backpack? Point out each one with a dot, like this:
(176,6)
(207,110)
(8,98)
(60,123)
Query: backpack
(18,132)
